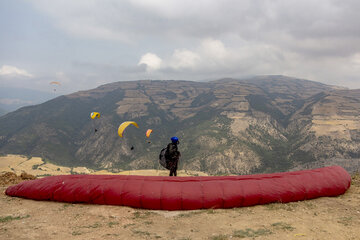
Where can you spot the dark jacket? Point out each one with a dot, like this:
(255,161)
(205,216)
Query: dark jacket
(172,154)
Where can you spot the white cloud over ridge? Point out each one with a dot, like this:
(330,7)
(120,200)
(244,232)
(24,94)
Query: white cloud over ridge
(152,61)
(218,60)
(11,71)
(213,56)
(184,59)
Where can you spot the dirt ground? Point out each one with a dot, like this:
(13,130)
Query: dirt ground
(322,218)
(35,166)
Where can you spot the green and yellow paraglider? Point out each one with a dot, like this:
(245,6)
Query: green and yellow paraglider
(94,116)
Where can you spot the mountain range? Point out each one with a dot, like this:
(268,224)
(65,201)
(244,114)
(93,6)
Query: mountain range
(229,126)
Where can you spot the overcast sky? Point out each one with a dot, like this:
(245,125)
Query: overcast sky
(86,43)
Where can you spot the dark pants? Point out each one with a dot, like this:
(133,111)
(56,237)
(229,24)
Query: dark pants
(173,167)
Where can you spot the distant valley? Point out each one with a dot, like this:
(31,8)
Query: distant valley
(12,98)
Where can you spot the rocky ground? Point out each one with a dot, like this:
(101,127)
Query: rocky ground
(322,218)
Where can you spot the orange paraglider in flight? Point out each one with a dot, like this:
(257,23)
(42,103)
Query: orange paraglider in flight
(148,132)
(55,84)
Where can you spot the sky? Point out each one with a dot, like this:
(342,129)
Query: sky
(86,43)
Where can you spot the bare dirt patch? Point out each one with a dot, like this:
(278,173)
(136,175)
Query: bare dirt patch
(322,218)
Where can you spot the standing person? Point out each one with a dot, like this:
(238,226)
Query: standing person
(172,155)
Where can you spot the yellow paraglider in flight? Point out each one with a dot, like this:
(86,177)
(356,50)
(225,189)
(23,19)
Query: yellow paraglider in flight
(148,132)
(124,125)
(94,115)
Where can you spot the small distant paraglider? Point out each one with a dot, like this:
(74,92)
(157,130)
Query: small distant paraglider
(55,85)
(94,116)
(148,132)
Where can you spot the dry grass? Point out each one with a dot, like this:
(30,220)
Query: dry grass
(37,167)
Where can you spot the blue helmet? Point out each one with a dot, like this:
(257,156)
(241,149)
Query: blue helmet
(174,140)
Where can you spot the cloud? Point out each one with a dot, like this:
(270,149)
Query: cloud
(91,19)
(211,55)
(323,27)
(62,77)
(11,71)
(205,39)
(152,61)
(184,59)
(14,101)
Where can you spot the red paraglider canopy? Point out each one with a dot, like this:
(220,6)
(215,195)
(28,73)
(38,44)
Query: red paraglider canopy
(187,193)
